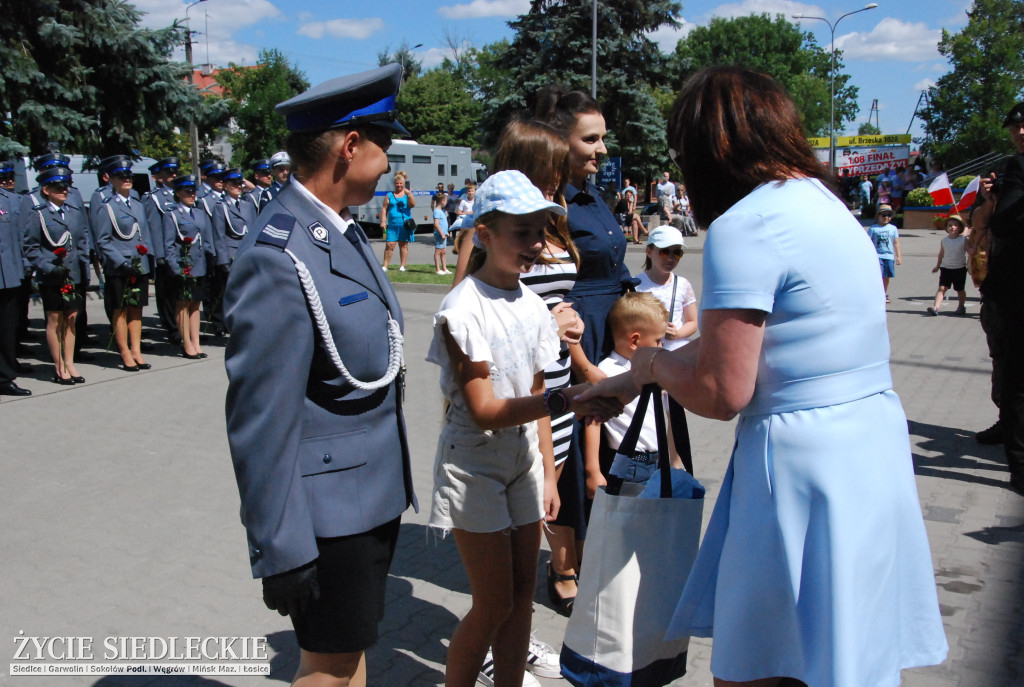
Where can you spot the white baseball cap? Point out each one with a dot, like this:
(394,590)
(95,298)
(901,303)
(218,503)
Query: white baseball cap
(665,236)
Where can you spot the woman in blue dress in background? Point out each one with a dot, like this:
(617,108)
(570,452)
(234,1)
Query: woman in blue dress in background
(815,566)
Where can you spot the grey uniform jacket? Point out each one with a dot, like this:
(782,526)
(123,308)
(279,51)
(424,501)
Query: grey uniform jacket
(268,194)
(119,231)
(12,261)
(45,230)
(230,224)
(179,223)
(33,198)
(155,203)
(313,456)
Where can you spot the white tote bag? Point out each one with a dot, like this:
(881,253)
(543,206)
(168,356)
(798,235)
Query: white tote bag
(638,555)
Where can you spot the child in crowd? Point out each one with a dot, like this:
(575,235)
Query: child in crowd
(951,266)
(637,320)
(664,249)
(886,238)
(466,205)
(494,483)
(440,233)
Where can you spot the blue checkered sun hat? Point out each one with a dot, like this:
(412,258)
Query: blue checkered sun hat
(513,193)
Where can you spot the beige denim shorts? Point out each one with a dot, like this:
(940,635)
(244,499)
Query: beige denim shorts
(486,481)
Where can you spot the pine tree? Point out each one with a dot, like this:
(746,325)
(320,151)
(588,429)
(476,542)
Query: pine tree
(438,108)
(552,44)
(84,74)
(987,79)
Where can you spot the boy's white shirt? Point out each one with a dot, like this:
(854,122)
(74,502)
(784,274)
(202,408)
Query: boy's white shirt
(616,428)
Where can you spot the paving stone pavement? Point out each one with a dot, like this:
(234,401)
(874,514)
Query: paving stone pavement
(120,513)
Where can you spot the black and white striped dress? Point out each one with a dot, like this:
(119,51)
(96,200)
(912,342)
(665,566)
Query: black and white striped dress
(551,282)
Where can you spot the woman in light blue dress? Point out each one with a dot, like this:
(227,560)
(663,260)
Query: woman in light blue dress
(815,567)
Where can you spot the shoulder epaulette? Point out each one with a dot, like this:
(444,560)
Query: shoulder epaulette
(277,232)
(41,206)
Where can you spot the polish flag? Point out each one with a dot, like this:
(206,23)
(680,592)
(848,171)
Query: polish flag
(970,193)
(940,191)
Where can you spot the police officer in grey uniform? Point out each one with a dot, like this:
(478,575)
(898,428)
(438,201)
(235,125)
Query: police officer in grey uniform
(280,170)
(12,271)
(163,172)
(56,225)
(124,242)
(263,180)
(188,233)
(232,218)
(315,370)
(208,196)
(12,207)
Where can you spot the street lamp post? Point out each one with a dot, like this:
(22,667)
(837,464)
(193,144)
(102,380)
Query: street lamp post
(832,82)
(405,52)
(193,130)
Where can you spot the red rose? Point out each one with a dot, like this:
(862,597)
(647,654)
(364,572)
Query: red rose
(67,288)
(187,240)
(142,250)
(61,252)
(187,271)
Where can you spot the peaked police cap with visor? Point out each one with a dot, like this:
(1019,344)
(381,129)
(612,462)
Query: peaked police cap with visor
(261,165)
(347,101)
(54,175)
(51,160)
(1015,116)
(184,181)
(115,164)
(171,163)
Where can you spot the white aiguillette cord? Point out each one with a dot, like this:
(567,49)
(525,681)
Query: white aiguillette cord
(396,341)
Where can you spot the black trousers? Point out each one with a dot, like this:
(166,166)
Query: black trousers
(990,324)
(1011,387)
(165,301)
(10,300)
(24,297)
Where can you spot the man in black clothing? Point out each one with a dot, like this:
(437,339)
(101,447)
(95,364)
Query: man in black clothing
(1004,286)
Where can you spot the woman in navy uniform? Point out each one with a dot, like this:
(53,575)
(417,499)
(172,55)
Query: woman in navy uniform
(124,242)
(314,362)
(187,232)
(232,218)
(53,227)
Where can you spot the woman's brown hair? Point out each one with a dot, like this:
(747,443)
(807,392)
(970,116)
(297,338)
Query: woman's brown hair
(541,152)
(731,130)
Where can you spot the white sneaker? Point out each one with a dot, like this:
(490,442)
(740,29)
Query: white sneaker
(384,267)
(401,269)
(441,272)
(542,660)
(486,676)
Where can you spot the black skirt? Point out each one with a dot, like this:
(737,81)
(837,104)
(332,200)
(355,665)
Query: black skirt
(198,289)
(115,287)
(53,299)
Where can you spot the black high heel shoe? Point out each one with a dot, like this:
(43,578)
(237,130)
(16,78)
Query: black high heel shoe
(189,356)
(57,379)
(562,604)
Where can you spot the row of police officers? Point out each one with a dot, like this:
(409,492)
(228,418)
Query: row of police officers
(183,234)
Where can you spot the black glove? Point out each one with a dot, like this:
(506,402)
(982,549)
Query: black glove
(288,593)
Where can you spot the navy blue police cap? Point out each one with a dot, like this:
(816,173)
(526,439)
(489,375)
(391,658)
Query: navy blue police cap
(7,167)
(206,164)
(51,160)
(184,181)
(116,163)
(54,175)
(1016,115)
(215,170)
(262,165)
(364,98)
(233,173)
(169,163)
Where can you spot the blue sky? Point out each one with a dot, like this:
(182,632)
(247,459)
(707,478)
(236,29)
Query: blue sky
(890,51)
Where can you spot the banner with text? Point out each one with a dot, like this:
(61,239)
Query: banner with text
(870,160)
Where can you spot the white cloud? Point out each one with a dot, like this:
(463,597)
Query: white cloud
(485,8)
(667,37)
(923,85)
(892,39)
(433,56)
(342,28)
(213,24)
(769,7)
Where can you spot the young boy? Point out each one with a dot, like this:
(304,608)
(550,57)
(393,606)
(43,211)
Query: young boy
(951,265)
(886,238)
(637,320)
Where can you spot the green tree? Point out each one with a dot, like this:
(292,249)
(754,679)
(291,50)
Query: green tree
(780,49)
(552,43)
(438,108)
(987,79)
(868,129)
(252,94)
(86,76)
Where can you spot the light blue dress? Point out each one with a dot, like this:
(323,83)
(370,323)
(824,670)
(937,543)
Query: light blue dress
(815,564)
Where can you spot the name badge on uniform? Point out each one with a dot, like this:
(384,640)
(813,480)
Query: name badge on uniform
(354,298)
(319,232)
